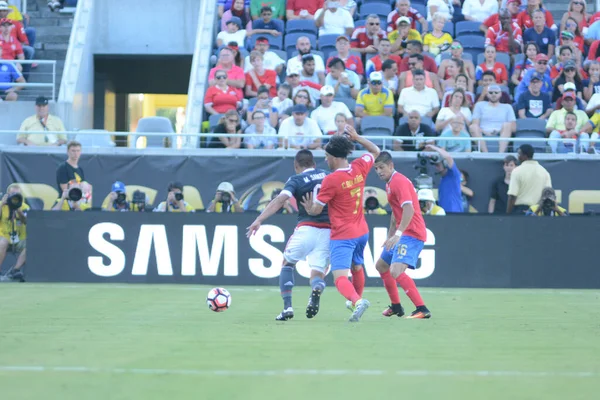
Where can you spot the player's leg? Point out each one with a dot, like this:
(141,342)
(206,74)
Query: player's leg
(389,283)
(16,274)
(358,278)
(358,260)
(318,259)
(406,256)
(294,251)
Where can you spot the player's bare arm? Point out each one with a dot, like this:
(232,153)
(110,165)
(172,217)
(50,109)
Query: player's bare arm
(445,155)
(367,144)
(392,228)
(311,207)
(407,215)
(271,209)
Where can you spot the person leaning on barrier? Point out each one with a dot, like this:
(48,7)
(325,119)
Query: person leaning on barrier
(13,233)
(547,206)
(427,203)
(42,121)
(72,198)
(175,201)
(70,170)
(225,200)
(372,205)
(118,199)
(9,74)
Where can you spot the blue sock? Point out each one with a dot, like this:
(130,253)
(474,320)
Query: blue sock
(286,284)
(318,283)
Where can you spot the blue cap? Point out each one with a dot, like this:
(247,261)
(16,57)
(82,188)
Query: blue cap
(299,108)
(536,76)
(235,20)
(118,187)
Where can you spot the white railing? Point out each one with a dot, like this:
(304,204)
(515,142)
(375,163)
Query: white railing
(37,89)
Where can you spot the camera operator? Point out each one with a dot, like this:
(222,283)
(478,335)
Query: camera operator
(175,201)
(287,206)
(449,189)
(547,206)
(72,199)
(225,200)
(427,203)
(118,199)
(13,219)
(372,205)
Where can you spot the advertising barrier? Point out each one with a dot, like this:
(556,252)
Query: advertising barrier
(461,250)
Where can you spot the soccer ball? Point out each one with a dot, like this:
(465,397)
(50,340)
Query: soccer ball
(218,299)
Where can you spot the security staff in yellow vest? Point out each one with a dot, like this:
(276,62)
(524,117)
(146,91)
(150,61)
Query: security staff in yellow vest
(427,203)
(13,219)
(225,200)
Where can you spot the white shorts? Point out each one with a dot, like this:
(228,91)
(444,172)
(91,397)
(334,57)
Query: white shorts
(310,244)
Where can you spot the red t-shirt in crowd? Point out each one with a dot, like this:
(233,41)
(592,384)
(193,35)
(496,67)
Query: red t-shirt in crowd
(412,14)
(377,63)
(499,69)
(309,5)
(495,18)
(11,48)
(525,22)
(401,191)
(428,65)
(498,38)
(353,63)
(268,78)
(234,73)
(223,100)
(360,39)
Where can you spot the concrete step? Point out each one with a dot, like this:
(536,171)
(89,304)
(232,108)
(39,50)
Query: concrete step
(51,54)
(56,39)
(56,46)
(46,13)
(43,31)
(37,22)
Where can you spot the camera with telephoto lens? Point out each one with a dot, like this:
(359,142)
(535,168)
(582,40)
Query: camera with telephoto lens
(75,194)
(14,201)
(424,180)
(225,197)
(121,198)
(371,203)
(139,199)
(178,196)
(548,206)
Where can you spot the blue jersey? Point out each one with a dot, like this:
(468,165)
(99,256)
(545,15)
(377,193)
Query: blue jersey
(298,186)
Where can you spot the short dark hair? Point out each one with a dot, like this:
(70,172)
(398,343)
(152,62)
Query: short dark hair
(266,8)
(306,58)
(387,64)
(339,146)
(488,72)
(565,48)
(304,158)
(415,43)
(418,72)
(510,159)
(384,157)
(571,113)
(336,60)
(175,185)
(262,89)
(418,56)
(73,143)
(527,150)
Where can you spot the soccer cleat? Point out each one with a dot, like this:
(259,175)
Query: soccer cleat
(312,308)
(394,309)
(16,275)
(286,314)
(350,306)
(420,313)
(360,308)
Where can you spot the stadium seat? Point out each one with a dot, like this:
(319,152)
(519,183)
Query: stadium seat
(472,41)
(252,102)
(327,41)
(302,26)
(502,58)
(152,125)
(377,126)
(381,9)
(97,140)
(424,120)
(275,42)
(449,27)
(468,28)
(214,119)
(421,8)
(518,59)
(282,54)
(289,44)
(348,101)
(359,22)
(531,125)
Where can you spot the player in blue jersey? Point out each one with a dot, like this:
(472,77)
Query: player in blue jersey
(310,239)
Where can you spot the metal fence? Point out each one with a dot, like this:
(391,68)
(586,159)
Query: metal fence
(45,80)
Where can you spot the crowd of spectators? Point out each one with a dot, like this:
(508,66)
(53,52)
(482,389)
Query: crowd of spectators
(469,69)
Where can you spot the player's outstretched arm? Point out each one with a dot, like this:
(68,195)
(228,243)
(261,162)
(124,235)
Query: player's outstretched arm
(271,209)
(311,207)
(367,144)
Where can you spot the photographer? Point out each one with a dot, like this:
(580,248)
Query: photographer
(449,189)
(225,201)
(118,199)
(372,205)
(547,206)
(175,202)
(427,203)
(13,219)
(71,199)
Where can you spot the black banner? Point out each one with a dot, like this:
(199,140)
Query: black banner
(254,178)
(461,250)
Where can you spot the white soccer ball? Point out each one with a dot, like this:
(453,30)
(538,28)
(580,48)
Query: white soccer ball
(218,299)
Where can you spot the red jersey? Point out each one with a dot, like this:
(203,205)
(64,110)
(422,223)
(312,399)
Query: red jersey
(353,63)
(498,69)
(342,191)
(525,22)
(377,63)
(594,18)
(498,38)
(11,48)
(297,5)
(222,101)
(19,32)
(361,40)
(428,65)
(400,191)
(268,78)
(495,18)
(412,14)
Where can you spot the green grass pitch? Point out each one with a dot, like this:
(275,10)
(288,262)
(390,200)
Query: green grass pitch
(161,342)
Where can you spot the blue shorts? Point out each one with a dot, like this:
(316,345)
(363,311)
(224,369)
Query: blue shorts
(406,252)
(346,252)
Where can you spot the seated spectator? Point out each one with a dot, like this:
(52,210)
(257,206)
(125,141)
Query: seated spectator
(304,47)
(234,33)
(591,129)
(365,39)
(374,100)
(340,125)
(456,51)
(42,121)
(241,11)
(505,36)
(402,35)
(571,131)
(457,110)
(437,40)
(282,101)
(525,17)
(383,54)
(427,203)
(226,5)
(222,97)
(230,123)
(334,20)
(556,121)
(302,9)
(415,62)
(9,74)
(577,12)
(512,6)
(455,67)
(593,85)
(346,83)
(235,74)
(308,72)
(348,5)
(534,103)
(414,47)
(490,64)
(293,79)
(457,130)
(418,97)
(237,56)
(491,118)
(568,74)
(259,76)
(403,9)
(413,127)
(322,114)
(300,97)
(565,54)
(479,10)
(531,51)
(19,32)
(460,82)
(262,12)
(271,60)
(593,32)
(540,34)
(445,7)
(11,47)
(353,62)
(260,127)
(489,79)
(294,131)
(389,70)
(264,104)
(579,104)
(573,39)
(541,68)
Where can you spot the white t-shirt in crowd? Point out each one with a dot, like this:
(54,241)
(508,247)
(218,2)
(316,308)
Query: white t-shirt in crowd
(479,12)
(296,134)
(423,102)
(335,23)
(314,78)
(270,61)
(444,7)
(447,113)
(282,105)
(295,63)
(325,117)
(239,37)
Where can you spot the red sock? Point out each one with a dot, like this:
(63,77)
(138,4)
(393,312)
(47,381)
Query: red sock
(358,280)
(409,287)
(390,285)
(346,289)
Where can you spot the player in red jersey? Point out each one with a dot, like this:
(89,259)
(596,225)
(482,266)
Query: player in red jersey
(342,192)
(406,237)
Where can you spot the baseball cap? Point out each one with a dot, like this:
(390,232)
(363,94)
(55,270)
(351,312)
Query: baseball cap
(118,187)
(342,37)
(568,86)
(262,39)
(327,90)
(225,187)
(536,77)
(568,94)
(400,20)
(375,76)
(5,21)
(569,64)
(541,57)
(299,108)
(4,6)
(293,71)
(41,101)
(513,1)
(494,88)
(235,20)
(333,4)
(425,195)
(567,34)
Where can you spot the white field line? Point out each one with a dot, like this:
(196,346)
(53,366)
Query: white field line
(184,287)
(300,372)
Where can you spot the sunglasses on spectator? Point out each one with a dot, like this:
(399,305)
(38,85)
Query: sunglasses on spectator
(542,62)
(373,23)
(456,46)
(570,24)
(302,96)
(568,99)
(376,83)
(493,92)
(569,69)
(259,117)
(578,3)
(221,77)
(412,64)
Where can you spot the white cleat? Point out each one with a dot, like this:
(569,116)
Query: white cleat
(361,306)
(285,315)
(350,306)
